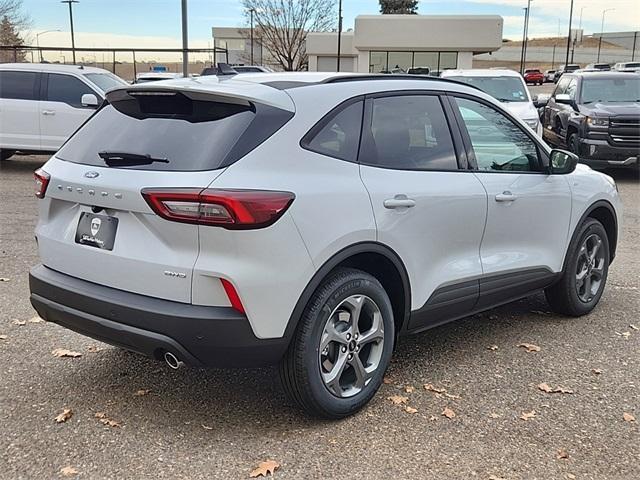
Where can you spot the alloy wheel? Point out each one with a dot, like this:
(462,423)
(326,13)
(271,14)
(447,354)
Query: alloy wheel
(590,268)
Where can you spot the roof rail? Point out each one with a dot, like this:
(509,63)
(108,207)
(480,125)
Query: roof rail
(394,76)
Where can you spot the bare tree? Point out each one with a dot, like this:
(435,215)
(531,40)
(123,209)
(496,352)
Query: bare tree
(404,7)
(282,26)
(12,9)
(12,20)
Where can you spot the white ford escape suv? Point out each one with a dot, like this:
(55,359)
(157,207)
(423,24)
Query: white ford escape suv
(308,220)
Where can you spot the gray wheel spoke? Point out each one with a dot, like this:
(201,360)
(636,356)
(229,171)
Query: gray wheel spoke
(595,250)
(355,304)
(597,273)
(330,334)
(375,333)
(362,376)
(587,286)
(332,378)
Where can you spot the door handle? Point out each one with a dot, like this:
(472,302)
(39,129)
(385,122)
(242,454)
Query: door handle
(506,196)
(399,201)
(48,112)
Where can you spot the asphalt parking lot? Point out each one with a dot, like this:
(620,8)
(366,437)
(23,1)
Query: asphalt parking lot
(197,424)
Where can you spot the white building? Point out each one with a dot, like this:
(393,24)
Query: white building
(381,43)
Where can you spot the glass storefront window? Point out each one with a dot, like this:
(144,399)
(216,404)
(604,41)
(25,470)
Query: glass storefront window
(400,61)
(387,62)
(377,62)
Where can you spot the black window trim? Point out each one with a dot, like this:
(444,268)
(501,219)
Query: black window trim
(458,147)
(543,158)
(44,91)
(307,138)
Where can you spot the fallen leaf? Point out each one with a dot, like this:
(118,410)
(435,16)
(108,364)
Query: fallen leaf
(494,415)
(624,335)
(66,414)
(20,323)
(106,420)
(3,337)
(528,415)
(494,477)
(63,352)
(571,476)
(628,417)
(207,427)
(264,469)
(35,319)
(546,388)
(387,380)
(410,409)
(141,393)
(562,454)
(447,412)
(2,279)
(94,349)
(529,347)
(429,387)
(493,347)
(409,389)
(596,371)
(398,399)
(633,327)
(68,471)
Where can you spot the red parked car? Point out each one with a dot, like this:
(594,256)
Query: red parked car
(534,76)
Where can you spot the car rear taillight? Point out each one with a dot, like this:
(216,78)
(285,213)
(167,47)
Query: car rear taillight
(42,182)
(231,209)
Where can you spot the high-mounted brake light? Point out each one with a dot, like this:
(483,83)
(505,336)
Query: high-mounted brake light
(231,209)
(42,182)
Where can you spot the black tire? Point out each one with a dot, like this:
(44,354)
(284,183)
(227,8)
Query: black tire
(6,154)
(573,143)
(564,296)
(300,369)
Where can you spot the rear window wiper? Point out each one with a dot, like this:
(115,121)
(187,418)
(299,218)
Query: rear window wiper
(114,159)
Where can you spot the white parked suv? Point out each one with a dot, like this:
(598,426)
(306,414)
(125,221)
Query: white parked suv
(309,220)
(506,86)
(41,105)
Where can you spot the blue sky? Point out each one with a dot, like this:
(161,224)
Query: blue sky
(161,18)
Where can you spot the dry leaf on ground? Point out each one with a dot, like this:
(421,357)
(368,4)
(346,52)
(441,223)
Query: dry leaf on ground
(265,468)
(35,319)
(410,409)
(3,337)
(207,427)
(596,371)
(429,387)
(3,279)
(20,323)
(529,347)
(63,352)
(628,417)
(447,412)
(562,454)
(66,414)
(546,388)
(624,335)
(106,420)
(142,392)
(398,399)
(387,380)
(528,415)
(633,327)
(68,471)
(409,389)
(492,347)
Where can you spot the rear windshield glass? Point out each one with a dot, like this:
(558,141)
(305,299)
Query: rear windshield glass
(504,89)
(105,81)
(172,137)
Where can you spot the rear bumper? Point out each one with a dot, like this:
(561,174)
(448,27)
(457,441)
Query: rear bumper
(601,154)
(197,335)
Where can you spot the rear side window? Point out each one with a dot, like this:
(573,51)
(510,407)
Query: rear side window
(19,85)
(67,89)
(338,135)
(186,135)
(408,132)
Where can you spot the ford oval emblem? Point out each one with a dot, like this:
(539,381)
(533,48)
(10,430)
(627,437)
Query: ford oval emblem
(91,174)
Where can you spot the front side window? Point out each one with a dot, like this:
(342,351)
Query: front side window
(339,135)
(498,144)
(409,132)
(67,89)
(572,89)
(18,85)
(563,83)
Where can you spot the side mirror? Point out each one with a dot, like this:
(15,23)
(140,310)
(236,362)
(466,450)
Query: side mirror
(564,99)
(562,162)
(89,100)
(541,100)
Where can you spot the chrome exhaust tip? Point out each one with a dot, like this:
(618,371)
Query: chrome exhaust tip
(172,361)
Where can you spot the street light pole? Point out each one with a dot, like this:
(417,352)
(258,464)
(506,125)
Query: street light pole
(602,30)
(566,60)
(573,48)
(526,36)
(73,40)
(38,41)
(339,33)
(524,39)
(251,12)
(185,41)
